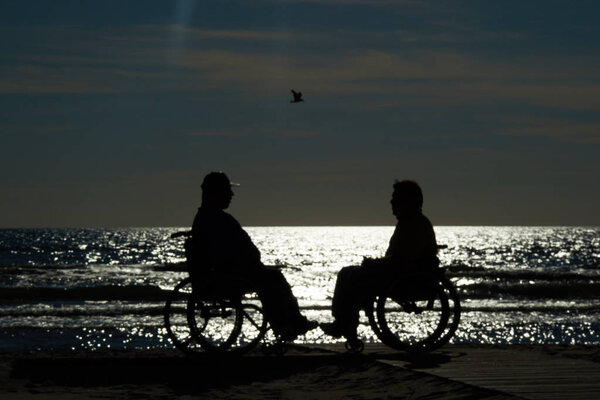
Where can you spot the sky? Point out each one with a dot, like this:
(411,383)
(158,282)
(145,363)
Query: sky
(112,112)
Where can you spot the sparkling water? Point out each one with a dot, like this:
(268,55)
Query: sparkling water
(105,288)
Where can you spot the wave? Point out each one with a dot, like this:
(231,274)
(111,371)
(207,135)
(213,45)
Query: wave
(108,311)
(159,310)
(8,269)
(150,293)
(538,290)
(107,292)
(592,269)
(534,308)
(588,271)
(540,283)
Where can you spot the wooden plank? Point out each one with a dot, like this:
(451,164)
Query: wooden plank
(527,372)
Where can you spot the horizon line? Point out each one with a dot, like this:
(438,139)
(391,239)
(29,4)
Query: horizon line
(300,226)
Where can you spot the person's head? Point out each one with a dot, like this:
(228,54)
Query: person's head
(407,198)
(216,190)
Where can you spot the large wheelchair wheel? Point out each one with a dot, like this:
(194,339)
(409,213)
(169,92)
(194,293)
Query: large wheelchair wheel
(214,323)
(197,322)
(412,325)
(372,315)
(227,325)
(176,320)
(453,315)
(253,326)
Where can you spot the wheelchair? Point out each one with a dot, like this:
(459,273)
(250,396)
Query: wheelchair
(411,322)
(197,320)
(415,314)
(215,312)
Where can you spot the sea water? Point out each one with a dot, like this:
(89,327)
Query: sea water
(105,288)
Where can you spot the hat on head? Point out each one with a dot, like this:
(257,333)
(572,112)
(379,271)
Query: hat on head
(217,180)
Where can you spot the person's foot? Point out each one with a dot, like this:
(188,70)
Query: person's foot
(331,329)
(310,325)
(299,329)
(306,326)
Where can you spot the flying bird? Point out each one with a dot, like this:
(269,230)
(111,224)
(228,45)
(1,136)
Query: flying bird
(297,97)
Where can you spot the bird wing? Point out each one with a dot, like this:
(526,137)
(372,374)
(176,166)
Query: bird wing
(297,95)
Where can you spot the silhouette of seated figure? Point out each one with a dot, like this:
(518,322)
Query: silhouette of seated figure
(222,247)
(411,254)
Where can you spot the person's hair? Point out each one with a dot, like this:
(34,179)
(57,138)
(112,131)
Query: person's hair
(410,191)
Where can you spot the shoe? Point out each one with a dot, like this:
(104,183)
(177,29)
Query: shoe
(288,337)
(310,325)
(331,329)
(298,330)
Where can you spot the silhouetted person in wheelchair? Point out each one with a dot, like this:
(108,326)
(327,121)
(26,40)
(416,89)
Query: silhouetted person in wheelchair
(220,243)
(411,254)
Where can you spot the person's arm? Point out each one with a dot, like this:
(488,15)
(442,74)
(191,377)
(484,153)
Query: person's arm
(248,249)
(412,239)
(238,245)
(401,248)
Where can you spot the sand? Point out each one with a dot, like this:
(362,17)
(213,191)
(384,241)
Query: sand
(308,372)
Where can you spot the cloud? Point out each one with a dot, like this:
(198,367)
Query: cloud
(36,129)
(570,96)
(223,133)
(360,66)
(136,59)
(415,3)
(558,129)
(299,134)
(582,96)
(242,34)
(428,78)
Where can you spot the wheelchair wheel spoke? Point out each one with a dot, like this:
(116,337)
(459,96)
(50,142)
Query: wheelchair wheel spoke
(412,324)
(252,321)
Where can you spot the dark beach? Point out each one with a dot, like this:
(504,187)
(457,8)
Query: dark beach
(309,372)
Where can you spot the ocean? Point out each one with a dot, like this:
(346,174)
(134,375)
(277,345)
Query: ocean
(70,289)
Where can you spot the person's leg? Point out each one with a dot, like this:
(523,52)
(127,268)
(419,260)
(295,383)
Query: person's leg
(279,304)
(344,305)
(354,287)
(348,297)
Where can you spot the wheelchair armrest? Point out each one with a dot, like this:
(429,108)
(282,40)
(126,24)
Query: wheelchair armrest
(181,233)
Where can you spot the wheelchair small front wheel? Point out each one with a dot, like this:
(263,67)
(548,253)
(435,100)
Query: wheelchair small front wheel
(354,346)
(214,323)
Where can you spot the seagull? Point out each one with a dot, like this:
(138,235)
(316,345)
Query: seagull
(297,97)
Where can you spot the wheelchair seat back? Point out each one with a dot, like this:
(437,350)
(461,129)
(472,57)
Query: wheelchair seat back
(207,281)
(414,288)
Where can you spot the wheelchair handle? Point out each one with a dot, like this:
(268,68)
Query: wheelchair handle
(181,233)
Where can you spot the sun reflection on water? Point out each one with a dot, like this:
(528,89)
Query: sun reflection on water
(518,285)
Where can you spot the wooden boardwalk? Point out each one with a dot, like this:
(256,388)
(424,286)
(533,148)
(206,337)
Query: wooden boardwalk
(529,372)
(325,371)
